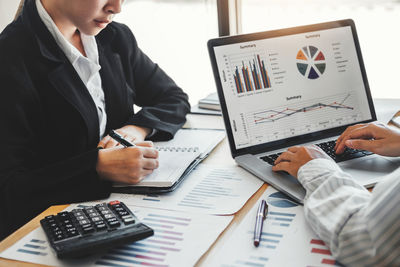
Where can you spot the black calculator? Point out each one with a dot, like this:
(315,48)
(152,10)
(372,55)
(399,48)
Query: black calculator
(93,229)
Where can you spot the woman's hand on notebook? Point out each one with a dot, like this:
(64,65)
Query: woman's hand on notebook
(131,133)
(295,157)
(376,137)
(127,165)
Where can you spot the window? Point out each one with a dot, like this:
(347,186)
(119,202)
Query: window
(174,34)
(376,21)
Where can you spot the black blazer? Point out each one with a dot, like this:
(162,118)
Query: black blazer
(49,123)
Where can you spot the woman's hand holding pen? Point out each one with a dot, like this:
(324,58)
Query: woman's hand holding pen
(131,133)
(129,164)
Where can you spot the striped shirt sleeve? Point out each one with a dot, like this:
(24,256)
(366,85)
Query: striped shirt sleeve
(360,228)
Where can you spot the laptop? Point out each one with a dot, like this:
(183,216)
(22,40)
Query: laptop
(295,86)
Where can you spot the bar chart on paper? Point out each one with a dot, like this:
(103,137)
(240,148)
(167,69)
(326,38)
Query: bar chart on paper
(319,249)
(167,241)
(286,239)
(180,239)
(210,189)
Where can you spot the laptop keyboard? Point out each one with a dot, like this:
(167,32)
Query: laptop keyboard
(328,148)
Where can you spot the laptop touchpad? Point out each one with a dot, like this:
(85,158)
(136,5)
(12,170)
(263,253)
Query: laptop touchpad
(370,169)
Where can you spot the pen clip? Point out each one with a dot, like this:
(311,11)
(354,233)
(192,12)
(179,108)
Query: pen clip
(265,210)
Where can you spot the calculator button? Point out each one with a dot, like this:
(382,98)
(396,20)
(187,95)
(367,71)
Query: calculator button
(79,213)
(129,220)
(59,232)
(71,229)
(119,209)
(101,226)
(55,229)
(86,225)
(84,222)
(90,210)
(123,213)
(101,208)
(114,223)
(96,219)
(72,233)
(109,216)
(88,230)
(115,202)
(63,214)
(80,218)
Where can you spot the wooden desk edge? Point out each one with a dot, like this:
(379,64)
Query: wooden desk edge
(238,217)
(34,223)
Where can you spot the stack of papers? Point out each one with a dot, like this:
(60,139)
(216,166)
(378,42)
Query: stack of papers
(210,102)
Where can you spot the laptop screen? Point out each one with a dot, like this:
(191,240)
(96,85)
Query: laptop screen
(292,85)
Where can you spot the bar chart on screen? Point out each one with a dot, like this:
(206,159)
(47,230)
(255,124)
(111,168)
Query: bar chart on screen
(251,72)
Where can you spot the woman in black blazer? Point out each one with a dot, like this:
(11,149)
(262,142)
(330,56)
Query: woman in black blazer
(49,123)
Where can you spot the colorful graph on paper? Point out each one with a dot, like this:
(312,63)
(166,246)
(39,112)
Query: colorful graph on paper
(286,239)
(180,239)
(318,247)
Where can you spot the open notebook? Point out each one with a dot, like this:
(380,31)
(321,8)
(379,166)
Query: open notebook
(173,163)
(177,158)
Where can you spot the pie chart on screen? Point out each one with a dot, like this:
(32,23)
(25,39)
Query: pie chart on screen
(280,200)
(311,62)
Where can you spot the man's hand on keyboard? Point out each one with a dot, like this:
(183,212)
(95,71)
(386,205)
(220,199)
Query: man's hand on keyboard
(295,157)
(375,137)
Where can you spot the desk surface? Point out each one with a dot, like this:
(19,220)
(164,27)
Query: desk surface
(221,155)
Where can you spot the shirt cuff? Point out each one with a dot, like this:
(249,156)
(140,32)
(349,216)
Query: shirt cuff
(315,172)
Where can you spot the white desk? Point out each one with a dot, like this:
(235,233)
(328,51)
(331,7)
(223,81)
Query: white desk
(221,155)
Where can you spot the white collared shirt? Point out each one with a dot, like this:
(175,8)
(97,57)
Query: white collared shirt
(360,228)
(88,68)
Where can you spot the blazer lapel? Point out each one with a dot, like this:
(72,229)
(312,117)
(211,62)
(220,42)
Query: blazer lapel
(62,74)
(68,83)
(114,87)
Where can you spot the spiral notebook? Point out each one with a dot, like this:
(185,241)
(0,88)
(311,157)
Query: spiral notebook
(173,163)
(177,158)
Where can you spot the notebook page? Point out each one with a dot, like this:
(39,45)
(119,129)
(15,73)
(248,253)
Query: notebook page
(173,161)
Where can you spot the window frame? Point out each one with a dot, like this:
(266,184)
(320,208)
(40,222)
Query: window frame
(229,17)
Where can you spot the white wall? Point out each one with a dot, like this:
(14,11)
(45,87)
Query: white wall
(7,12)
